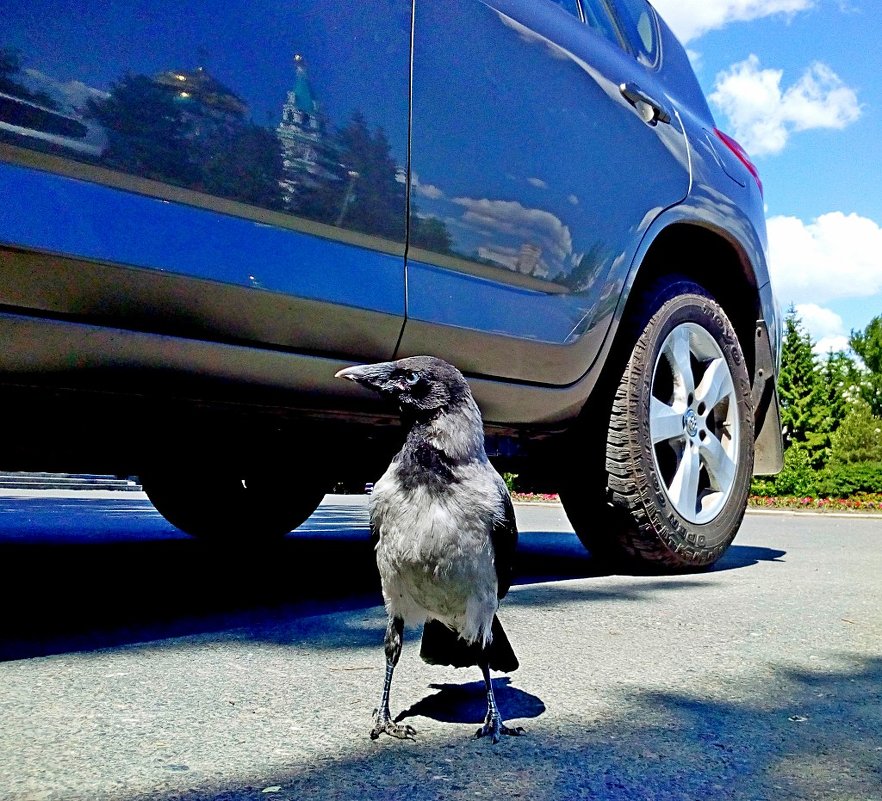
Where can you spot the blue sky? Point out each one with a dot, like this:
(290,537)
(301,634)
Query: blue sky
(799,84)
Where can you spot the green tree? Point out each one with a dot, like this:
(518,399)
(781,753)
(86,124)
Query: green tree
(585,274)
(835,375)
(798,384)
(868,345)
(859,437)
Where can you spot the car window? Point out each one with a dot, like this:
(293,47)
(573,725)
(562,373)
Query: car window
(597,17)
(639,26)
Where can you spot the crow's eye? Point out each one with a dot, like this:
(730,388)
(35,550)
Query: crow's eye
(411,378)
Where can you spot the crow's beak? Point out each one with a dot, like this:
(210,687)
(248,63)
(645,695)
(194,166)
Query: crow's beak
(371,376)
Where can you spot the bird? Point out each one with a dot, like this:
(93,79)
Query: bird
(445,532)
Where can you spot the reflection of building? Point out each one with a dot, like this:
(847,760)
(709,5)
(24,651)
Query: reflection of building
(35,121)
(301,134)
(528,259)
(35,108)
(202,97)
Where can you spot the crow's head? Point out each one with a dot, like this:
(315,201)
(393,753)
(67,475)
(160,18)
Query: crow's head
(421,385)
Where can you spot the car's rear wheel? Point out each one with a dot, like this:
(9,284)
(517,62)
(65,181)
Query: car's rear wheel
(228,505)
(679,448)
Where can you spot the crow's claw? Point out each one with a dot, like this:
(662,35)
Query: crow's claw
(495,727)
(383,724)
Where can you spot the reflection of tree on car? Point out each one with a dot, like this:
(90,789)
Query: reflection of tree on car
(200,140)
(363,191)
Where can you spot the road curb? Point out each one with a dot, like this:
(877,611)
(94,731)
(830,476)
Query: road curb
(814,513)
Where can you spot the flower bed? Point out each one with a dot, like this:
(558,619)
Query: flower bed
(863,502)
(535,497)
(866,502)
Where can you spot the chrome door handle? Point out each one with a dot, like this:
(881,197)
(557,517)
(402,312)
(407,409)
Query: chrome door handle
(650,110)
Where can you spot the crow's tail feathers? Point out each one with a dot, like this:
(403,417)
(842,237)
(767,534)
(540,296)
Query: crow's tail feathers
(443,646)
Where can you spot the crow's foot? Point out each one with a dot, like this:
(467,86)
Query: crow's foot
(383,724)
(494,727)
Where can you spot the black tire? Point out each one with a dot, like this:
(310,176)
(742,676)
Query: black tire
(224,505)
(679,448)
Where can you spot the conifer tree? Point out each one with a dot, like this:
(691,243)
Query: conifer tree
(868,345)
(835,376)
(798,383)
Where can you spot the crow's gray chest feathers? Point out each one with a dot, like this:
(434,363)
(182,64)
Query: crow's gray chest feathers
(435,516)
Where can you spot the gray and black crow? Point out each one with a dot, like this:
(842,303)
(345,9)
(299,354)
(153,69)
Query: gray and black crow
(445,529)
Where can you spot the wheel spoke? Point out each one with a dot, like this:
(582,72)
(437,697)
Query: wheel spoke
(715,385)
(664,422)
(684,488)
(678,354)
(719,466)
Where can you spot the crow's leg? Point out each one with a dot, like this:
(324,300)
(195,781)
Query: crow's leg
(382,718)
(493,724)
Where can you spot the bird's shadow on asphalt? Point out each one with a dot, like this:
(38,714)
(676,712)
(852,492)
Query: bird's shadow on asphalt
(467,703)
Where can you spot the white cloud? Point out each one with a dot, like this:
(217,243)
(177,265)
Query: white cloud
(425,190)
(524,224)
(762,116)
(430,191)
(835,256)
(689,19)
(824,326)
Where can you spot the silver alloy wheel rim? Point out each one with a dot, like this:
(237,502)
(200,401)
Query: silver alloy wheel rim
(693,423)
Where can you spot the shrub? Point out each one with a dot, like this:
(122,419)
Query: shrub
(797,477)
(858,438)
(844,480)
(509,479)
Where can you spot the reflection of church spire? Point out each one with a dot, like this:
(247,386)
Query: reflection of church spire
(300,133)
(301,109)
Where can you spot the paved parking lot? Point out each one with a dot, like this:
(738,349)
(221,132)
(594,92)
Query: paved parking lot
(139,665)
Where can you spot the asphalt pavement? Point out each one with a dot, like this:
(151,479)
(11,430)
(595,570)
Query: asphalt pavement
(139,664)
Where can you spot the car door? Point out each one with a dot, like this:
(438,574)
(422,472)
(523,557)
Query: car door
(229,172)
(537,166)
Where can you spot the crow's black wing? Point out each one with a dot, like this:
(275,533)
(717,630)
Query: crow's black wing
(504,536)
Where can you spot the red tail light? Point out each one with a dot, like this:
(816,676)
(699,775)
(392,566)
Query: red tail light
(741,154)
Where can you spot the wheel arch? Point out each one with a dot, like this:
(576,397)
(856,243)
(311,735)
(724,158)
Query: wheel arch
(713,261)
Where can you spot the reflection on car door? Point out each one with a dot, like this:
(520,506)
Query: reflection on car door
(234,173)
(533,179)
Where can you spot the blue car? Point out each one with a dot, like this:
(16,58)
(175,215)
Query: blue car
(208,211)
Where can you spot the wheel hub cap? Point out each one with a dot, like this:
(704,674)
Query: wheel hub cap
(690,423)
